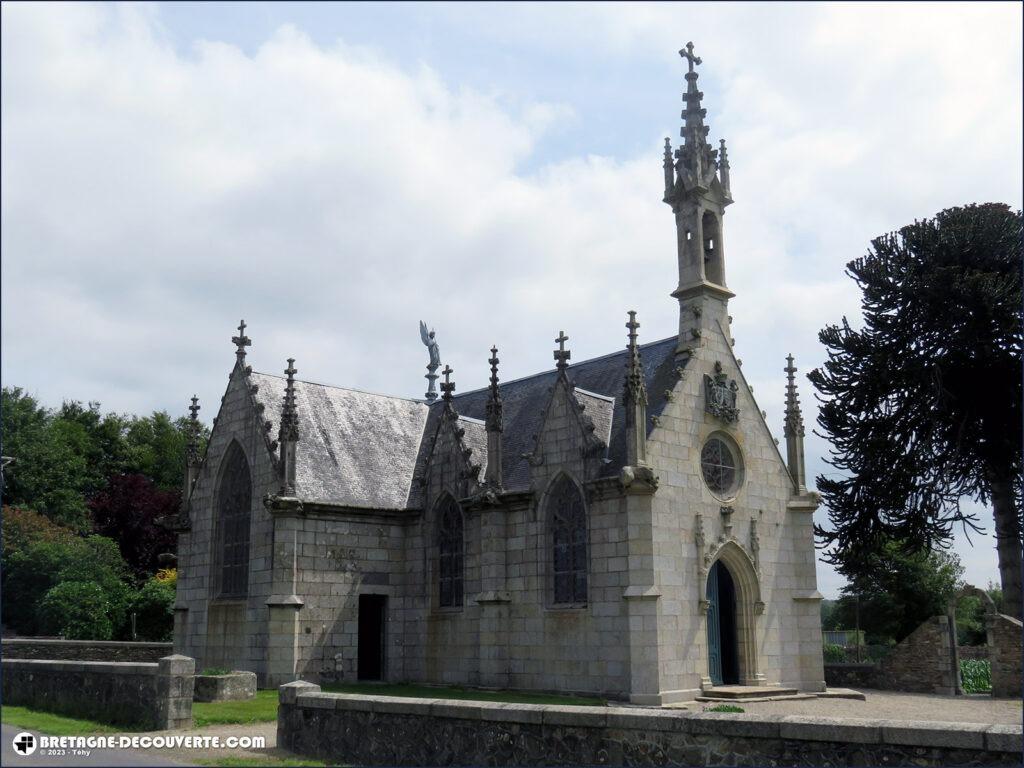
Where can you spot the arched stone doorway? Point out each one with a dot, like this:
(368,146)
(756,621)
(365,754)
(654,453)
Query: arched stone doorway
(732,573)
(723,646)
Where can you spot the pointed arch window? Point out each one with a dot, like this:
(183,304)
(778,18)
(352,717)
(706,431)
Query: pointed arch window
(234,502)
(450,559)
(568,530)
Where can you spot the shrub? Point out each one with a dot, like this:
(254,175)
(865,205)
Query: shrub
(724,708)
(153,606)
(32,572)
(976,675)
(76,610)
(167,576)
(834,654)
(215,671)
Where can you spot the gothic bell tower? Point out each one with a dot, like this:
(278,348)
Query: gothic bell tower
(697,188)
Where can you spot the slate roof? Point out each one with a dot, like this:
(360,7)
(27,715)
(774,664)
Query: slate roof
(524,401)
(363,450)
(355,448)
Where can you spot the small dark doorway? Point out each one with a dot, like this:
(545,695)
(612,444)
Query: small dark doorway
(372,612)
(723,651)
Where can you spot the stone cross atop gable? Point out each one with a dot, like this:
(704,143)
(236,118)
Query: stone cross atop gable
(241,341)
(447,386)
(562,355)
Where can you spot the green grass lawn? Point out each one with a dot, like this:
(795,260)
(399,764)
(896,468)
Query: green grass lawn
(430,692)
(56,725)
(261,709)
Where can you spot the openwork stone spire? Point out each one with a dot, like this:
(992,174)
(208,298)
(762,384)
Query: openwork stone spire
(794,429)
(241,341)
(695,158)
(562,354)
(495,426)
(635,399)
(288,434)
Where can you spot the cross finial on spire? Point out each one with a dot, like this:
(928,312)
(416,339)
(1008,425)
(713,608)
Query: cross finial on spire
(562,355)
(241,341)
(447,386)
(687,53)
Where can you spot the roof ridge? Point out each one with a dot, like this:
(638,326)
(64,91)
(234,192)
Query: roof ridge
(347,389)
(570,367)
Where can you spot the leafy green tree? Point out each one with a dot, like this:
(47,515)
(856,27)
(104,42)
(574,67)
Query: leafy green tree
(923,405)
(895,590)
(22,527)
(50,472)
(77,610)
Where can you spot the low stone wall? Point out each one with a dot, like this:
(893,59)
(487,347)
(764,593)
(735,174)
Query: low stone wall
(1005,655)
(83,650)
(380,730)
(921,663)
(151,696)
(236,686)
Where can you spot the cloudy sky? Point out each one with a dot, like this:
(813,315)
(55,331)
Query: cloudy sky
(335,173)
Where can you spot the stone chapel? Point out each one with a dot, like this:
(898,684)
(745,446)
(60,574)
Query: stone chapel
(624,526)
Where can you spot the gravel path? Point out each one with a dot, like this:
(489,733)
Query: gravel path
(899,706)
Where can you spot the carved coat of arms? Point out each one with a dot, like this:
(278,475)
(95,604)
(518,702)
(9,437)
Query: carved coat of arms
(720,395)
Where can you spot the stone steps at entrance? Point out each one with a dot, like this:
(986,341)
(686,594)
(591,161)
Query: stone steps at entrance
(740,692)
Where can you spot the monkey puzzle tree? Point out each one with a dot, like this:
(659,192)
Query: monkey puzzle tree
(923,405)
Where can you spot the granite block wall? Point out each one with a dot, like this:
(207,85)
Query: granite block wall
(151,696)
(366,730)
(1005,655)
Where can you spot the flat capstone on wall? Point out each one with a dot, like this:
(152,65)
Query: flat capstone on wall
(84,650)
(368,730)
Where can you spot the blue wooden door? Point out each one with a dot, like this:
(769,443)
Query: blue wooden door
(714,627)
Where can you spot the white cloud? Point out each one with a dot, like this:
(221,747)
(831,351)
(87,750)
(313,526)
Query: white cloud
(152,197)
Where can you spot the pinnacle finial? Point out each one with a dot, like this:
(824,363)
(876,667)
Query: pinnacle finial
(494,370)
(562,355)
(794,424)
(192,441)
(723,157)
(241,341)
(636,389)
(289,430)
(447,386)
(494,407)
